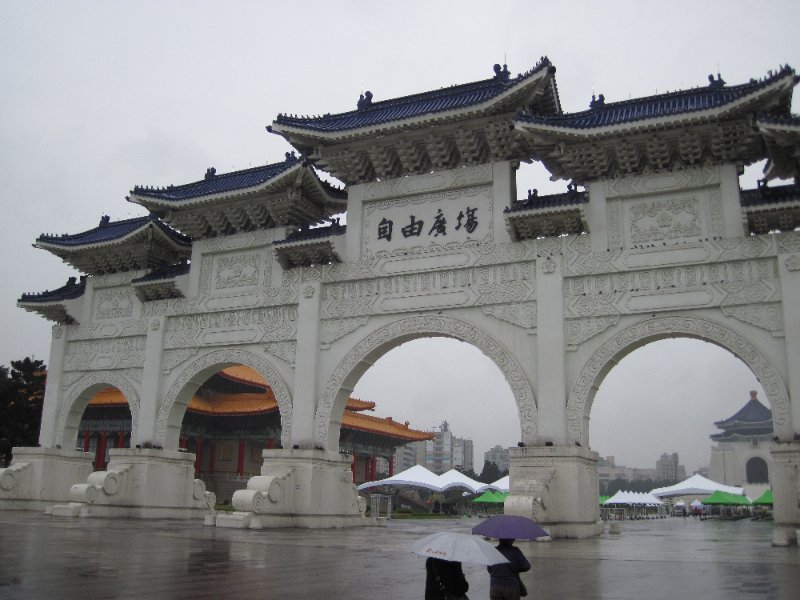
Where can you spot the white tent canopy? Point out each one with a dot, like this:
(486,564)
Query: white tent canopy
(633,498)
(417,476)
(501,484)
(696,484)
(455,478)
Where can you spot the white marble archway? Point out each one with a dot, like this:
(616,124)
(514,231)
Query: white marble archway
(364,353)
(171,411)
(581,396)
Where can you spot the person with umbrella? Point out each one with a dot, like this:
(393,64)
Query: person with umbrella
(444,579)
(504,581)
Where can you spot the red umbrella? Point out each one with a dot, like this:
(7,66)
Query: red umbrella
(510,527)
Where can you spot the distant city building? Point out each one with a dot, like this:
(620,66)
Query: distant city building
(444,452)
(608,470)
(741,455)
(497,455)
(668,468)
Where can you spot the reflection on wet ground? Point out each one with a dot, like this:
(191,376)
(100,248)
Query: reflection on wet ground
(48,557)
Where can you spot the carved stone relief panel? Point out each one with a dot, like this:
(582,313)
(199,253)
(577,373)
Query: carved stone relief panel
(522,314)
(430,182)
(666,219)
(765,316)
(173,358)
(663,182)
(442,220)
(113,303)
(579,259)
(286,351)
(233,271)
(118,328)
(333,329)
(231,327)
(96,355)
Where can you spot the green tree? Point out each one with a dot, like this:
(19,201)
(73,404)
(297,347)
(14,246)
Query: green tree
(491,473)
(21,400)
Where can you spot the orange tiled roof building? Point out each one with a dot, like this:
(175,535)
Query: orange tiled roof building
(234,416)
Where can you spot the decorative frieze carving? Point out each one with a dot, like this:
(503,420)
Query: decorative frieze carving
(579,259)
(119,328)
(258,238)
(580,330)
(496,254)
(286,351)
(547,247)
(496,284)
(228,327)
(582,393)
(223,358)
(665,219)
(333,329)
(749,292)
(173,358)
(113,303)
(97,355)
(754,246)
(362,269)
(421,184)
(765,316)
(788,242)
(662,182)
(521,314)
(792,262)
(429,325)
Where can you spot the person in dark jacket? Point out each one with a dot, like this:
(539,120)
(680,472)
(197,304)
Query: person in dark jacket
(444,579)
(504,583)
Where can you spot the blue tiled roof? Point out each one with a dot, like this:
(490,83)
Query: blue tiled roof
(770,195)
(217,184)
(407,107)
(750,432)
(167,272)
(109,231)
(73,289)
(752,412)
(317,233)
(662,105)
(549,201)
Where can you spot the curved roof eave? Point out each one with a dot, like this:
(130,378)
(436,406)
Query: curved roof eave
(292,131)
(132,236)
(664,122)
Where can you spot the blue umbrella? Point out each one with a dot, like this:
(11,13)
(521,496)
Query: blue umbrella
(510,527)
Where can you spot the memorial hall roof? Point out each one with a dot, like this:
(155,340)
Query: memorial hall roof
(676,106)
(751,414)
(375,113)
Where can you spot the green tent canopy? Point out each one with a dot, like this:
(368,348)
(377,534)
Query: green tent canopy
(491,497)
(725,499)
(603,499)
(764,499)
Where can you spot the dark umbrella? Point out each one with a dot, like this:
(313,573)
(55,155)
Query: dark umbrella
(510,527)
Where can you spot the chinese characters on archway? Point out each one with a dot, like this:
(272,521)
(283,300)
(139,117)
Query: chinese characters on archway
(438,225)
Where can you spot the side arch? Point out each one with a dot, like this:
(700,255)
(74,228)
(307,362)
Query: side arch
(581,396)
(364,354)
(170,413)
(81,392)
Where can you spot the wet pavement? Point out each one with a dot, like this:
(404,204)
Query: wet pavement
(50,557)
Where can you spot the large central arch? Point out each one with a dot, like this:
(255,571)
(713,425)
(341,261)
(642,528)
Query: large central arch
(581,397)
(364,354)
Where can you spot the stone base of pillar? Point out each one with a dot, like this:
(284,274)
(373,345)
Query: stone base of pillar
(786,492)
(39,477)
(298,488)
(556,486)
(141,483)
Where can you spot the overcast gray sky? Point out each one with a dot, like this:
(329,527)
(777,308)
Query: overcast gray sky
(100,96)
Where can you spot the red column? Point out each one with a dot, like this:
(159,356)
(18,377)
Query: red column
(183,440)
(240,462)
(271,443)
(120,443)
(212,464)
(86,441)
(373,468)
(198,456)
(353,468)
(100,454)
(391,466)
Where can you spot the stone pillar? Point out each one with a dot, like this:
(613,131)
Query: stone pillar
(143,432)
(557,486)
(785,479)
(52,394)
(550,351)
(306,362)
(789,276)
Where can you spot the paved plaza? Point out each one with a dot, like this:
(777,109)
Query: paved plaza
(49,557)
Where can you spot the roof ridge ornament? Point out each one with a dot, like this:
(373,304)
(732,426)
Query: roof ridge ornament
(364,100)
(104,221)
(599,101)
(715,83)
(211,172)
(501,73)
